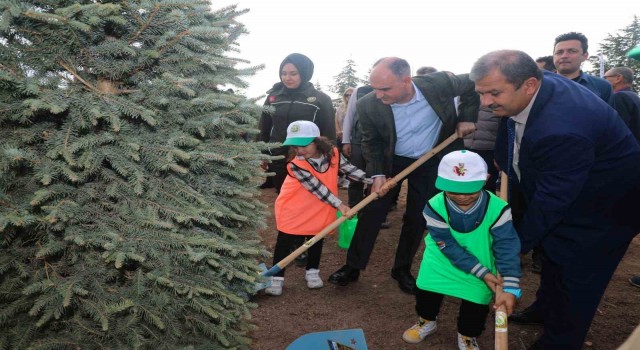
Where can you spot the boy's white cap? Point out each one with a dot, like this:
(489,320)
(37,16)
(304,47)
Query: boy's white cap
(461,172)
(301,133)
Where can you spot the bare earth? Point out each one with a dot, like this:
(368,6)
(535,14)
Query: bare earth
(375,303)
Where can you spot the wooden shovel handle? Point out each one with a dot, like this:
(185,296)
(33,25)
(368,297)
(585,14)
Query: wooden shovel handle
(356,208)
(501,320)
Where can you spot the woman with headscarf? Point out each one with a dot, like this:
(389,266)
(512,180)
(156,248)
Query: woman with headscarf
(293,98)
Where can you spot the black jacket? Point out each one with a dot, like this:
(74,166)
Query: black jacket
(283,107)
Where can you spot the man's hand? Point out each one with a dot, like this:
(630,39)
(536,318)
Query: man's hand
(465,128)
(378,187)
(346,149)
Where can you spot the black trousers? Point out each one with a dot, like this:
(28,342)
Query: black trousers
(471,316)
(285,243)
(570,292)
(421,187)
(356,188)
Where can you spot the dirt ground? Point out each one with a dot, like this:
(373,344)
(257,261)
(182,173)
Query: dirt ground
(376,305)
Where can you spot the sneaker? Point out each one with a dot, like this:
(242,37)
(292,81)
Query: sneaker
(467,343)
(635,280)
(276,286)
(419,331)
(313,279)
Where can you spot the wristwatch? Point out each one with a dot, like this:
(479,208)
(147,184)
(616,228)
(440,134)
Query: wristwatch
(517,292)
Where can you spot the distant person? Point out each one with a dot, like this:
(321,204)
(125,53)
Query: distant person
(627,101)
(425,70)
(351,140)
(471,239)
(401,120)
(341,111)
(569,51)
(308,199)
(483,141)
(293,98)
(577,164)
(546,63)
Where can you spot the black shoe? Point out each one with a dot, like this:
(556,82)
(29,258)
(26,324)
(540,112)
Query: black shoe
(344,276)
(527,316)
(406,282)
(301,260)
(385,224)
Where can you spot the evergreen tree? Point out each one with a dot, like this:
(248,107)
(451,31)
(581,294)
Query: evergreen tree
(128,209)
(346,78)
(614,49)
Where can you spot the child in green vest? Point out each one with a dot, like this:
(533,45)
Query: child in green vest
(471,238)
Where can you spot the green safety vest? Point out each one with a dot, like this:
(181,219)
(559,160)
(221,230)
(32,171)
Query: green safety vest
(437,274)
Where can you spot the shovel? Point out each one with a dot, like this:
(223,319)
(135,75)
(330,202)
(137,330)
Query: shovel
(363,203)
(501,323)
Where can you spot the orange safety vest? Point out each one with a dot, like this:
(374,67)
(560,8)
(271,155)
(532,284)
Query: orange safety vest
(298,211)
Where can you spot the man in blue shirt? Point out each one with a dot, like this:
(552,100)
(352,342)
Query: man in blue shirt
(569,51)
(402,119)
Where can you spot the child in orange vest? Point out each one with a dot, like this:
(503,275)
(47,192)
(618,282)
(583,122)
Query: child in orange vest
(308,199)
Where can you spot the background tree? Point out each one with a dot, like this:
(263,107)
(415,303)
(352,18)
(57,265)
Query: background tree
(346,78)
(128,210)
(614,47)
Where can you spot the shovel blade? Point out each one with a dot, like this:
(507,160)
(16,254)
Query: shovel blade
(266,281)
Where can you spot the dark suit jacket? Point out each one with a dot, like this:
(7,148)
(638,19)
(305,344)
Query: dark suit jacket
(439,89)
(628,106)
(577,161)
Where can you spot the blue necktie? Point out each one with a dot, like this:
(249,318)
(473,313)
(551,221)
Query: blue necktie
(511,138)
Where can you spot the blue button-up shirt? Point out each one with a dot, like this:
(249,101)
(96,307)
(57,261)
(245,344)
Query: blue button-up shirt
(417,126)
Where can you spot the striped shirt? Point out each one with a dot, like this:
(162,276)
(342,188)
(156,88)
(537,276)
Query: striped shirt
(316,187)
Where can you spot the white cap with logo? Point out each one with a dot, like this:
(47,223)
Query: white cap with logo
(301,133)
(461,172)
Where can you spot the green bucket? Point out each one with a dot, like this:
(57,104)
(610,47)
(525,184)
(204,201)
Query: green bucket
(346,230)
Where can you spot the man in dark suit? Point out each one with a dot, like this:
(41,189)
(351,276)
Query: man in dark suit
(577,164)
(401,119)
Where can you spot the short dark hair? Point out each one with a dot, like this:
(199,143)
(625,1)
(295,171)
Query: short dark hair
(573,36)
(398,66)
(515,65)
(426,70)
(548,63)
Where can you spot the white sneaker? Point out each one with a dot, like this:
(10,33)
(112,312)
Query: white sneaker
(313,279)
(467,343)
(419,331)
(276,286)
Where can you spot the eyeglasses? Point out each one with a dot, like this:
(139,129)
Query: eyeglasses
(347,95)
(611,76)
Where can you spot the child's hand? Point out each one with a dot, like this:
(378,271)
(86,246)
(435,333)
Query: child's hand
(492,281)
(344,209)
(508,300)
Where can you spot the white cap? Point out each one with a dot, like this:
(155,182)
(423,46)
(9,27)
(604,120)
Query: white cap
(461,172)
(301,133)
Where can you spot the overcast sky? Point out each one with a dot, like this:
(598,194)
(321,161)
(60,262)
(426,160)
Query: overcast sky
(449,35)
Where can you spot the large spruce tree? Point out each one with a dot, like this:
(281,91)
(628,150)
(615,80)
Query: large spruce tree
(128,210)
